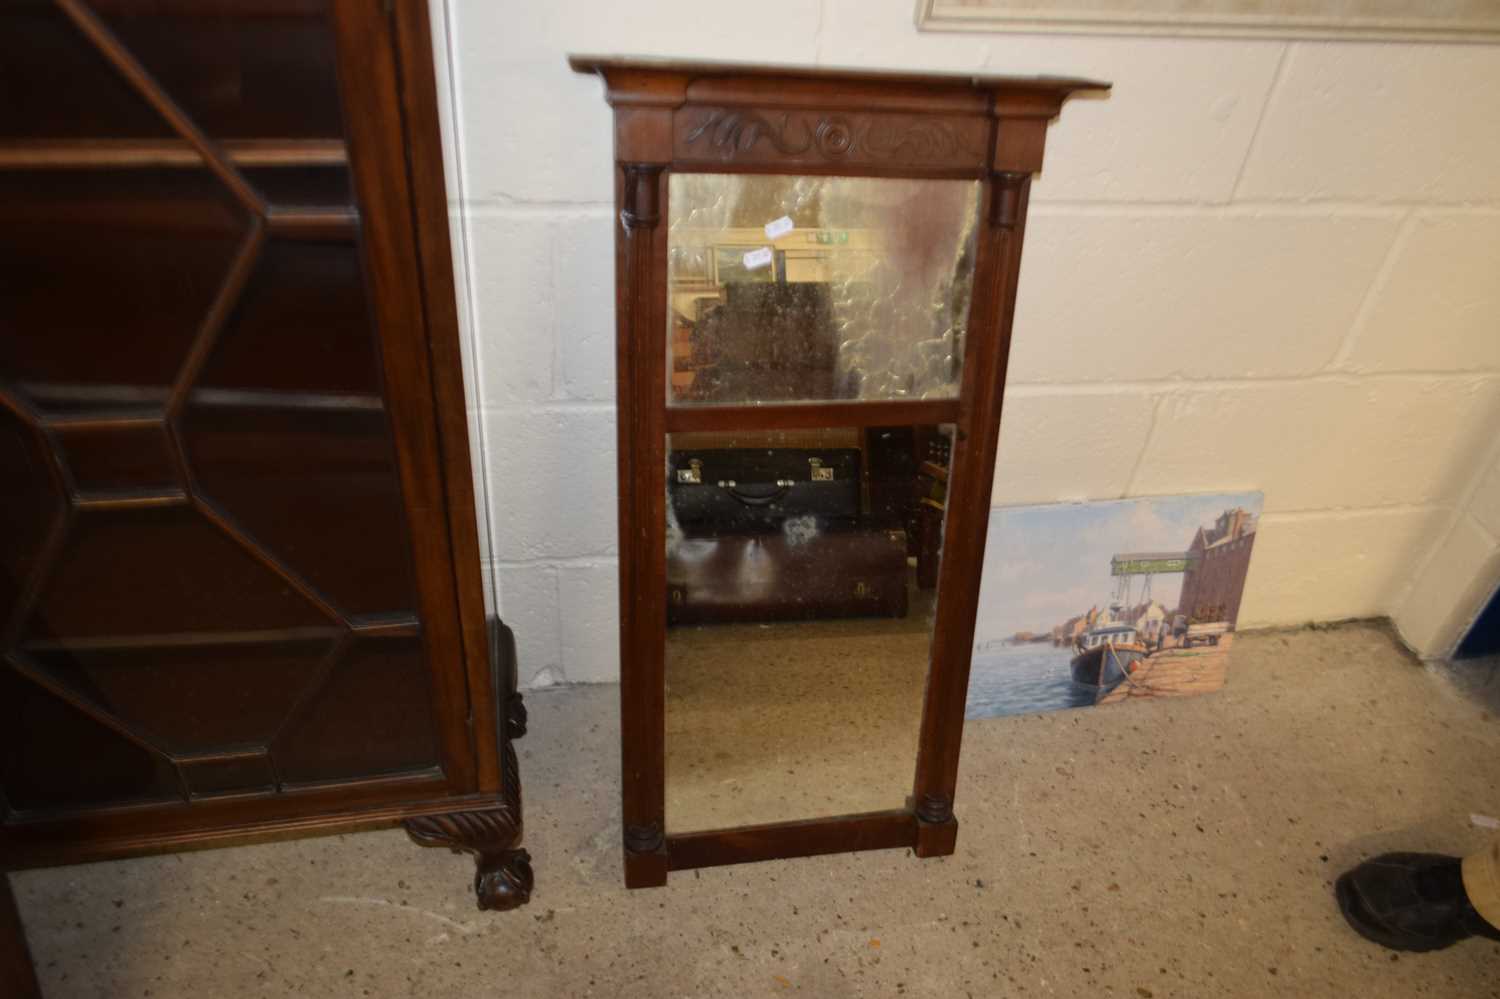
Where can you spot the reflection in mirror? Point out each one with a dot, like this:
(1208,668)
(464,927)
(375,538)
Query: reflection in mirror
(817,288)
(801,584)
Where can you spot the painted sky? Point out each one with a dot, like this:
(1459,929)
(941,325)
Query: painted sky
(1044,564)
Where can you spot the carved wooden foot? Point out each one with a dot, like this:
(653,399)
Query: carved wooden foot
(503,879)
(515,717)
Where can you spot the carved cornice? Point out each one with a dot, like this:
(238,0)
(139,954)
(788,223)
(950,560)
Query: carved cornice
(667,83)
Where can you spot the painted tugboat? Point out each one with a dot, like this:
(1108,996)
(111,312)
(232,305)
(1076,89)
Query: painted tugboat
(1106,653)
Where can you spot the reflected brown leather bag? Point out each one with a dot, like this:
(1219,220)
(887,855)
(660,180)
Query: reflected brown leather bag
(777,577)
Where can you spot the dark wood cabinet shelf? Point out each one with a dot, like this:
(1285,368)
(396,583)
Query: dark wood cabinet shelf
(121,217)
(107,643)
(124,407)
(128,500)
(114,154)
(313,224)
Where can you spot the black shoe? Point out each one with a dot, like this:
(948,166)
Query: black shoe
(1410,901)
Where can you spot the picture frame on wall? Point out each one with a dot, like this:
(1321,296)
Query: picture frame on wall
(730,266)
(1369,20)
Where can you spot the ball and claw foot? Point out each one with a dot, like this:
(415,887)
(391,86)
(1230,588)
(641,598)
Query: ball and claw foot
(504,879)
(504,882)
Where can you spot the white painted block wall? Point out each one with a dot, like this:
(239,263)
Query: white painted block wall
(1256,264)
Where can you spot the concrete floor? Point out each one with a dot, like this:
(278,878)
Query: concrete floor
(1150,849)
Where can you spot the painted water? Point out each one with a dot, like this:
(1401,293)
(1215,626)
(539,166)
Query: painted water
(1022,679)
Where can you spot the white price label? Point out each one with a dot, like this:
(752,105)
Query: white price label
(757,259)
(780,227)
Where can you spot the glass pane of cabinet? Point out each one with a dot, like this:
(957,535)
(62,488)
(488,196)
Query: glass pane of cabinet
(204,416)
(798,289)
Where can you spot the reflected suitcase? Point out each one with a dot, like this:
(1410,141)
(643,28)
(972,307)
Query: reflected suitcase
(755,490)
(786,577)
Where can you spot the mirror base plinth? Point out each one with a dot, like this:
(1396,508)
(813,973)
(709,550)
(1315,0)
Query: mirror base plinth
(645,856)
(646,869)
(936,839)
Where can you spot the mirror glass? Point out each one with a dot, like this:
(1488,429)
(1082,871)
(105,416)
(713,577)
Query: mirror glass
(787,288)
(801,584)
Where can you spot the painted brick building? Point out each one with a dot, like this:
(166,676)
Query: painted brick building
(1220,558)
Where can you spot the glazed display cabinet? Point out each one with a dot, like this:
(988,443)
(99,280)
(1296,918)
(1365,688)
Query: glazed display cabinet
(239,571)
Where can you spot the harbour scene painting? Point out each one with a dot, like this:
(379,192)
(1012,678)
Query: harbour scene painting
(1097,603)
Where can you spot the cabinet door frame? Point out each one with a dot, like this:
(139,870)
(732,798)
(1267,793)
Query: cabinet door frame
(429,201)
(370,76)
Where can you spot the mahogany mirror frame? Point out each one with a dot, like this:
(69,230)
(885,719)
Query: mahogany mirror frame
(989,129)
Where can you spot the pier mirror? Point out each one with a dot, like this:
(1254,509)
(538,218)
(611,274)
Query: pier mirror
(815,279)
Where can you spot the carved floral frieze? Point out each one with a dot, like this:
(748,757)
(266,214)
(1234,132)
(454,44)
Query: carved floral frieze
(741,135)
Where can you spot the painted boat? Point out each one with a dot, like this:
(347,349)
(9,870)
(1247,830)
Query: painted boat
(1106,654)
